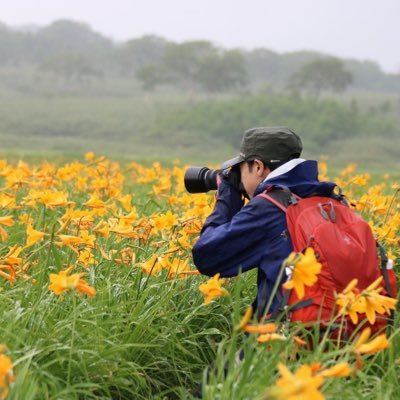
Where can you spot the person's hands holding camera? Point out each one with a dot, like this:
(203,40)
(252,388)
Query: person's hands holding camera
(231,177)
(230,188)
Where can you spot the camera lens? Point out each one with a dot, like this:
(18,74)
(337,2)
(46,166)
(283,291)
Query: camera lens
(200,179)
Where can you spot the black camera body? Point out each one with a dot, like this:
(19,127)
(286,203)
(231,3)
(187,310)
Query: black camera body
(203,179)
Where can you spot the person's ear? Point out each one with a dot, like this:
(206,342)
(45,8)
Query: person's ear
(260,167)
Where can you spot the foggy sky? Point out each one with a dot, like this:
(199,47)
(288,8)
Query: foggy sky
(361,29)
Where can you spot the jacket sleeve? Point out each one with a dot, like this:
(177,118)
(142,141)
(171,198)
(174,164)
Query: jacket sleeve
(229,244)
(229,202)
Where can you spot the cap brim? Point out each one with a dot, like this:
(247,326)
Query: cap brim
(232,162)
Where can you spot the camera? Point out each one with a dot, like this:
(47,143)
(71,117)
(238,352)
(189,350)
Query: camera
(203,179)
(200,179)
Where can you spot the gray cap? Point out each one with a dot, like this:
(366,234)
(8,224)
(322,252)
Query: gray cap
(269,144)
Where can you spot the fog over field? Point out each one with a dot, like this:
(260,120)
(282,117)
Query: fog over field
(361,29)
(135,79)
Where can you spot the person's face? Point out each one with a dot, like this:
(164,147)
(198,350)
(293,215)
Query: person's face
(252,176)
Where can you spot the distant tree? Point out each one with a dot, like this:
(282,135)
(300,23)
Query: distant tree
(190,66)
(196,65)
(137,53)
(151,75)
(182,62)
(320,75)
(268,67)
(11,46)
(65,36)
(70,66)
(221,72)
(368,75)
(263,65)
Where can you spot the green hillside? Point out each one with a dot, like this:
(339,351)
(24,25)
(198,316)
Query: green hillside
(65,89)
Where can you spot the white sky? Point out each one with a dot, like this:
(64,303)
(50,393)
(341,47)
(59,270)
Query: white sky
(361,29)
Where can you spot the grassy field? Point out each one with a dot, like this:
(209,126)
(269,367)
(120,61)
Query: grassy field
(99,297)
(194,128)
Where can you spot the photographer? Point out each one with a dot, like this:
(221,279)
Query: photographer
(236,237)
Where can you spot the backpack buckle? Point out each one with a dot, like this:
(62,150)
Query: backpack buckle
(323,212)
(332,214)
(293,199)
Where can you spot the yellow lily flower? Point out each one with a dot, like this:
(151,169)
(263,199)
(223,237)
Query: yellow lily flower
(305,271)
(245,319)
(7,220)
(339,370)
(271,337)
(369,301)
(6,374)
(63,282)
(303,384)
(361,346)
(32,236)
(261,328)
(53,198)
(69,241)
(212,289)
(95,202)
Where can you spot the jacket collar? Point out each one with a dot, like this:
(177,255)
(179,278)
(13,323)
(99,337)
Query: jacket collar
(284,168)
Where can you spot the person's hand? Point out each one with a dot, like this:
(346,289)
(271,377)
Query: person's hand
(232,178)
(219,179)
(229,190)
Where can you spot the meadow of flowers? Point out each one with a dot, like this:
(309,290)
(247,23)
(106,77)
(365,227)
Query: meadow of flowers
(100,299)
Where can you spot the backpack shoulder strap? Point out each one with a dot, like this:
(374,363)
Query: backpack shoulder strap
(384,261)
(280,196)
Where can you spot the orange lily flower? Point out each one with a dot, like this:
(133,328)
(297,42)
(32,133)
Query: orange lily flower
(12,257)
(63,282)
(369,301)
(32,236)
(177,267)
(153,266)
(245,319)
(95,202)
(305,271)
(376,303)
(11,276)
(6,374)
(53,199)
(124,231)
(339,370)
(261,328)
(361,346)
(83,287)
(7,220)
(89,156)
(212,289)
(7,200)
(70,241)
(271,337)
(303,384)
(126,202)
(349,301)
(102,229)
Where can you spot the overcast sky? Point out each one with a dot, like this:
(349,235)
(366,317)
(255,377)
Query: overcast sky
(361,29)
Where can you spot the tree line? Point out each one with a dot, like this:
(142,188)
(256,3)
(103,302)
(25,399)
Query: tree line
(70,51)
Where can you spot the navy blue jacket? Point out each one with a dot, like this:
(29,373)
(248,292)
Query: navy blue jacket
(237,238)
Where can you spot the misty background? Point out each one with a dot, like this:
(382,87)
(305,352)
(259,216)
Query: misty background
(160,81)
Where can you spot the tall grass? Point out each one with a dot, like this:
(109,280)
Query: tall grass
(143,336)
(138,338)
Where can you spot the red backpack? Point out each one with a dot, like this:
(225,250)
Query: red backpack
(344,245)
